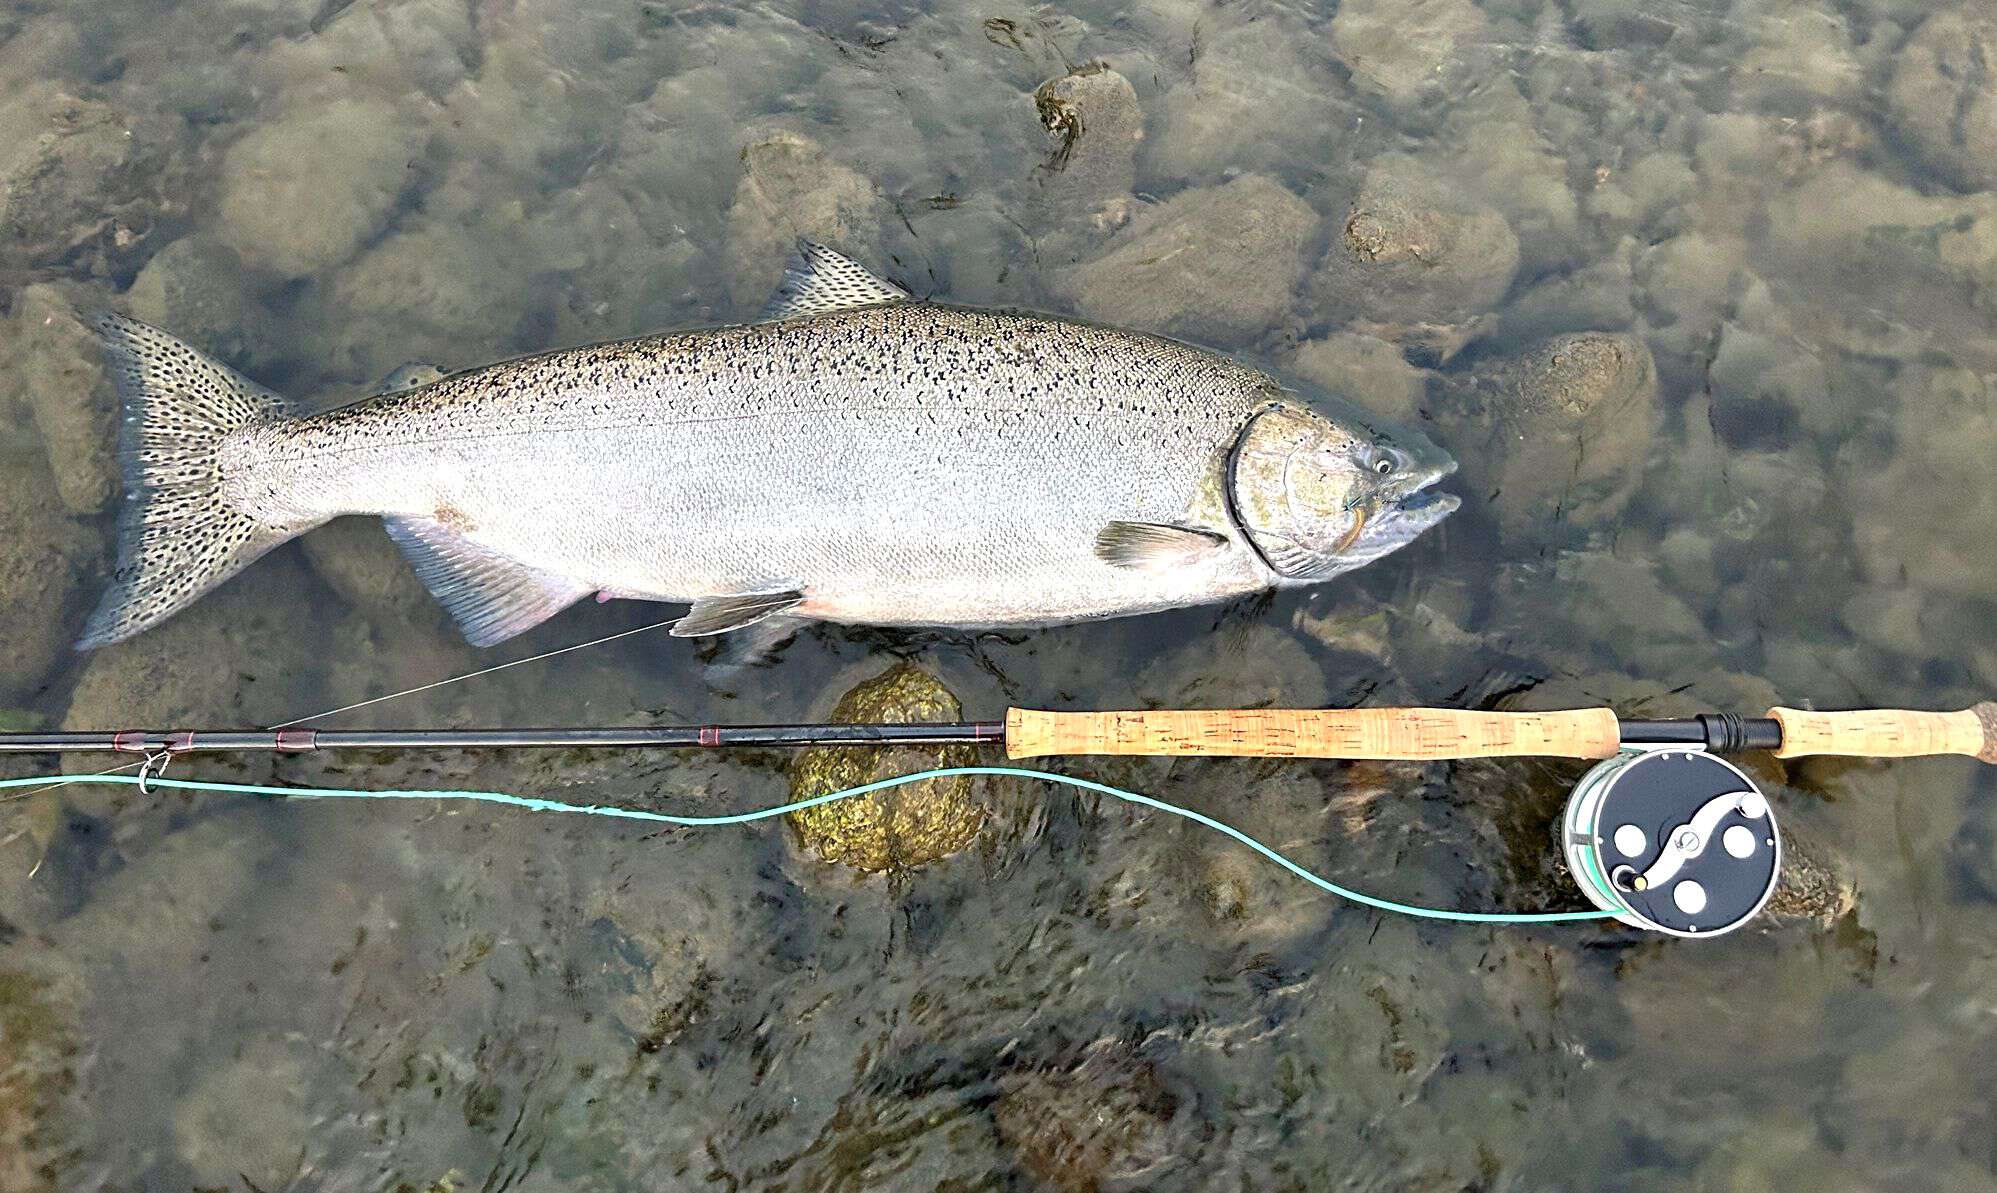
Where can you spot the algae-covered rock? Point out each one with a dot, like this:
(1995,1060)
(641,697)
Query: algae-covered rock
(78,178)
(305,190)
(903,827)
(1815,887)
(1217,265)
(37,1056)
(791,187)
(1413,260)
(1558,432)
(1093,126)
(1103,1118)
(57,365)
(1941,98)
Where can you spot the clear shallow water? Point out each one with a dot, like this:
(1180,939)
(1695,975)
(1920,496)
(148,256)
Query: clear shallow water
(1771,484)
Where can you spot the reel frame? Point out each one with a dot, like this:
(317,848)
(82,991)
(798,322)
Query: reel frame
(1672,839)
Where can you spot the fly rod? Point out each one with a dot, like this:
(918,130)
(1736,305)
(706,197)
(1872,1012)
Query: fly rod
(1662,833)
(1411,734)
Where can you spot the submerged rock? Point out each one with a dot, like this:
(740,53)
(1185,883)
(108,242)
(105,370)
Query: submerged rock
(791,187)
(904,827)
(1094,124)
(1102,1119)
(355,557)
(1941,97)
(1815,888)
(1261,97)
(1405,52)
(38,1048)
(1565,426)
(1216,265)
(77,178)
(428,289)
(40,550)
(58,365)
(237,658)
(249,1119)
(1368,370)
(304,191)
(1414,260)
(196,289)
(1946,421)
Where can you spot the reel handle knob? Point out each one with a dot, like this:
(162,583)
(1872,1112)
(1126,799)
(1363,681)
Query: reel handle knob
(1889,732)
(1373,733)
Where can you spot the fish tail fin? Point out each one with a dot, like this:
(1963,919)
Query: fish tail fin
(179,533)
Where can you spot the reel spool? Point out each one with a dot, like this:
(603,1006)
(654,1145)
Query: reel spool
(1677,841)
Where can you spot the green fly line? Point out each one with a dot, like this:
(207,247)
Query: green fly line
(533,804)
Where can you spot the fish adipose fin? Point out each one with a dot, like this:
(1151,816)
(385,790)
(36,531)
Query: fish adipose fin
(818,281)
(491,597)
(1154,547)
(179,535)
(718,615)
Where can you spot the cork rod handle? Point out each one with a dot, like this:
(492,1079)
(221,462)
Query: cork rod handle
(1889,732)
(1398,733)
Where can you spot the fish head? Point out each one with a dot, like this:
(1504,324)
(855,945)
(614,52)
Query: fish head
(1322,488)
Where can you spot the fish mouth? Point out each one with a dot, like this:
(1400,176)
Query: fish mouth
(1431,504)
(1400,522)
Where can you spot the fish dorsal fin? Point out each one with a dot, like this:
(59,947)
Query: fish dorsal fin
(818,280)
(490,596)
(718,615)
(1153,546)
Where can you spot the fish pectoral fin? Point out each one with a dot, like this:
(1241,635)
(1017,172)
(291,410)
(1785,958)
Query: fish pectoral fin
(1154,546)
(818,280)
(491,596)
(718,615)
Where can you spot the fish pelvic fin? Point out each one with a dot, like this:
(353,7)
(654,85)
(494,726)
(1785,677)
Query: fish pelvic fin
(179,534)
(719,615)
(491,596)
(818,281)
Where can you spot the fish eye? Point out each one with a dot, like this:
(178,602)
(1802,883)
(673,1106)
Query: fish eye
(1384,465)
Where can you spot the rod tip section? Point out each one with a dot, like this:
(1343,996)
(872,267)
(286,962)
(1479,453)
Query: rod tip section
(1986,716)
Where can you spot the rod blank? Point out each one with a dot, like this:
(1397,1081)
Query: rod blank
(301,741)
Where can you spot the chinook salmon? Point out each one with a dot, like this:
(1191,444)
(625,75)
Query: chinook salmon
(856,456)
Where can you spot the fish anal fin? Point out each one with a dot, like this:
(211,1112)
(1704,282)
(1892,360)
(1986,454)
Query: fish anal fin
(719,615)
(492,597)
(1154,546)
(818,280)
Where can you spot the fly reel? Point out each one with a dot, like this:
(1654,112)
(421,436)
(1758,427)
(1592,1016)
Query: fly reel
(1677,841)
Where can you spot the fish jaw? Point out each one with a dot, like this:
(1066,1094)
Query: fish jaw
(1399,524)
